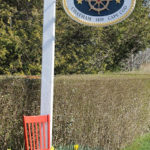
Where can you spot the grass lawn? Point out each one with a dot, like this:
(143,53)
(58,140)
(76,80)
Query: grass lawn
(142,143)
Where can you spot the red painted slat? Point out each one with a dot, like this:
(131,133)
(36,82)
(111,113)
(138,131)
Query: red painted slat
(37,140)
(48,129)
(40,136)
(44,135)
(25,134)
(33,136)
(30,136)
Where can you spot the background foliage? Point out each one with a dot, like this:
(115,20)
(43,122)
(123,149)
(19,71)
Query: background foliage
(20,38)
(79,49)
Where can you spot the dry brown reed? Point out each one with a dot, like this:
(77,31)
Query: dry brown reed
(101,111)
(107,111)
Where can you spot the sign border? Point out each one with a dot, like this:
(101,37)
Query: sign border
(100,24)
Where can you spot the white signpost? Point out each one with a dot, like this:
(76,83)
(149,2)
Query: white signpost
(88,12)
(48,60)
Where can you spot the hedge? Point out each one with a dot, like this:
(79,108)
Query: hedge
(107,111)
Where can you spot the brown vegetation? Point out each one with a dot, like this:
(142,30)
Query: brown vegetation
(106,111)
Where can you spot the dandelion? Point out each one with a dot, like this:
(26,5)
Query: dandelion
(52,148)
(76,147)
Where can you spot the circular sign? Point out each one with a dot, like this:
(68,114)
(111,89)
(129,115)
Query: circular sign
(99,12)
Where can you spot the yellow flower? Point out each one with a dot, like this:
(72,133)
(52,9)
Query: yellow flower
(9,149)
(76,147)
(52,148)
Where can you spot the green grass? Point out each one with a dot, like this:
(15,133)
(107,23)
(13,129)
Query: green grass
(142,143)
(71,147)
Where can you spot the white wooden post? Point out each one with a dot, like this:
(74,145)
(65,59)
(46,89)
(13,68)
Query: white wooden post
(48,52)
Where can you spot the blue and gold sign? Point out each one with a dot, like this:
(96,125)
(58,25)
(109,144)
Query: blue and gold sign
(99,12)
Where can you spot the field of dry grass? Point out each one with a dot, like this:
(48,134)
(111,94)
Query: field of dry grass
(106,112)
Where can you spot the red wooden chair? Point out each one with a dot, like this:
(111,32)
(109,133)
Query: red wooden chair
(37,132)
